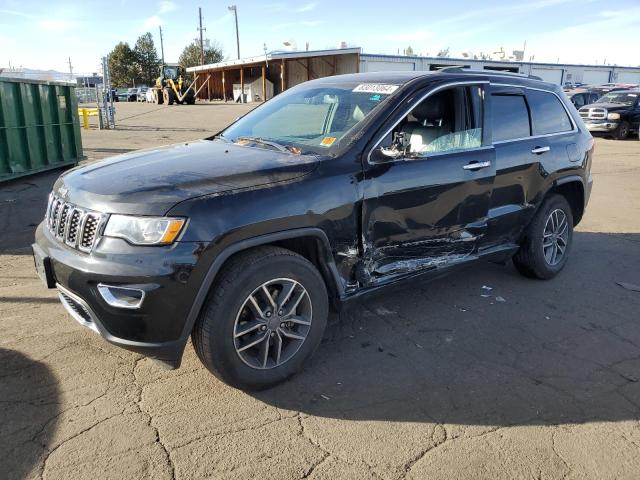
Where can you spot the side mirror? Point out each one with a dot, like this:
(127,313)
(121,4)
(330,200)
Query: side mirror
(398,147)
(391,152)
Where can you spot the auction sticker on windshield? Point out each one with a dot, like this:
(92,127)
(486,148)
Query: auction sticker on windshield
(382,88)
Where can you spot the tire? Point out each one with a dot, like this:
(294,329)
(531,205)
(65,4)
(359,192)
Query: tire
(622,131)
(190,100)
(169,96)
(228,312)
(532,259)
(157,97)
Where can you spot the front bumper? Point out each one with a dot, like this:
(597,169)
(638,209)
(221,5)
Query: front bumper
(167,275)
(600,125)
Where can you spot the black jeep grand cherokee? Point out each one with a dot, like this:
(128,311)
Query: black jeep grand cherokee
(334,189)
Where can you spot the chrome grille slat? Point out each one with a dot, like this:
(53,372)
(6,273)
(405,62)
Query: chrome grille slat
(62,220)
(594,113)
(73,225)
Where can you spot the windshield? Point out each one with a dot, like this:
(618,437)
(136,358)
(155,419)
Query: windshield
(623,98)
(309,118)
(171,72)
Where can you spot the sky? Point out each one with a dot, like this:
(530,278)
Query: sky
(44,34)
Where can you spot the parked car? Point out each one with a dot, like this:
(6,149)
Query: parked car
(616,114)
(609,87)
(132,94)
(142,94)
(582,96)
(335,189)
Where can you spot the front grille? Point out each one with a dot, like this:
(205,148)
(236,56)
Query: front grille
(593,113)
(72,225)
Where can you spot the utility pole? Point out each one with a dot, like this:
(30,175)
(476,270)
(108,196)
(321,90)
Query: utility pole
(234,9)
(70,70)
(161,44)
(201,42)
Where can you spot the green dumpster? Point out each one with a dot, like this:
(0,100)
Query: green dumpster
(39,127)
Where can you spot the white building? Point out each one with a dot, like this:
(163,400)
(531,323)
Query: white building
(551,72)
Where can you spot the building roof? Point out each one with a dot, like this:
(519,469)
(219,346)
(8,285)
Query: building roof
(273,56)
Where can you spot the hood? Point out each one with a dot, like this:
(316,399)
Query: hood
(150,182)
(611,107)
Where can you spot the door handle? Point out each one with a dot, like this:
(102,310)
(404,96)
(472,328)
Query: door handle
(539,150)
(477,165)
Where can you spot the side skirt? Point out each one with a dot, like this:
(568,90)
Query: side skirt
(498,254)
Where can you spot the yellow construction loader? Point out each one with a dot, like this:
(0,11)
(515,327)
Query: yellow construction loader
(172,86)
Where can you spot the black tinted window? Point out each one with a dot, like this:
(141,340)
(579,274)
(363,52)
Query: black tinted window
(547,113)
(578,100)
(509,117)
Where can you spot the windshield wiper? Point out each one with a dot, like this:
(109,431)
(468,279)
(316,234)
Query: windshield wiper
(262,141)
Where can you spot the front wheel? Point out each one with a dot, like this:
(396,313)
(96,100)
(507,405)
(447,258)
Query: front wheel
(169,96)
(622,131)
(547,240)
(263,319)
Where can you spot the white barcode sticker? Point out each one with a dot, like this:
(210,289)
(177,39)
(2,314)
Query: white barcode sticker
(382,88)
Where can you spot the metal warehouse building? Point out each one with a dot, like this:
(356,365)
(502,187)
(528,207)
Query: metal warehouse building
(261,76)
(550,72)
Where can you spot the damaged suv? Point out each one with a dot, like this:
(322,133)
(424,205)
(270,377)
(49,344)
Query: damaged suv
(336,188)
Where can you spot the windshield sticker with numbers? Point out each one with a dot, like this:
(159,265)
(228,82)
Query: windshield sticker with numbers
(381,88)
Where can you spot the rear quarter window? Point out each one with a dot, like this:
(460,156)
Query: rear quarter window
(547,113)
(509,117)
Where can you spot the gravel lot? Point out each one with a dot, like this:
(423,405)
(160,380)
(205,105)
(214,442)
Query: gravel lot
(446,380)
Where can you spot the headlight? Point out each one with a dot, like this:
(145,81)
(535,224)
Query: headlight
(144,230)
(613,116)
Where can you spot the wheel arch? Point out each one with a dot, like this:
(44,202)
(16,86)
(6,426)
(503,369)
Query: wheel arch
(312,243)
(572,189)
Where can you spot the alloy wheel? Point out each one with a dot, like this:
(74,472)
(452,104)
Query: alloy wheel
(555,238)
(272,323)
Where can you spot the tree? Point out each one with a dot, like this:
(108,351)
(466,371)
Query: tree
(122,66)
(444,53)
(146,59)
(190,56)
(409,51)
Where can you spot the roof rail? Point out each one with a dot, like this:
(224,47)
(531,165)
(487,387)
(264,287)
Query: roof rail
(456,69)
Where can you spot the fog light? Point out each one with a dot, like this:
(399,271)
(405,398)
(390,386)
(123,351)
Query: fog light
(121,297)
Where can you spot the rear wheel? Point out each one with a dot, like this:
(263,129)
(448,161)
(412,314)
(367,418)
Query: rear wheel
(547,240)
(263,320)
(158,98)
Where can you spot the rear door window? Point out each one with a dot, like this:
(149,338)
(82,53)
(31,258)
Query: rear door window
(547,113)
(509,117)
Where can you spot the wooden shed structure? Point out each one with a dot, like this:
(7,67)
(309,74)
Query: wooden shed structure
(283,69)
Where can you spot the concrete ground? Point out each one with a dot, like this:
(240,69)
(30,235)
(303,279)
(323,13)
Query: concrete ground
(483,374)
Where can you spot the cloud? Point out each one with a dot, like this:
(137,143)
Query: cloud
(57,25)
(15,13)
(307,7)
(167,6)
(153,22)
(304,23)
(410,36)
